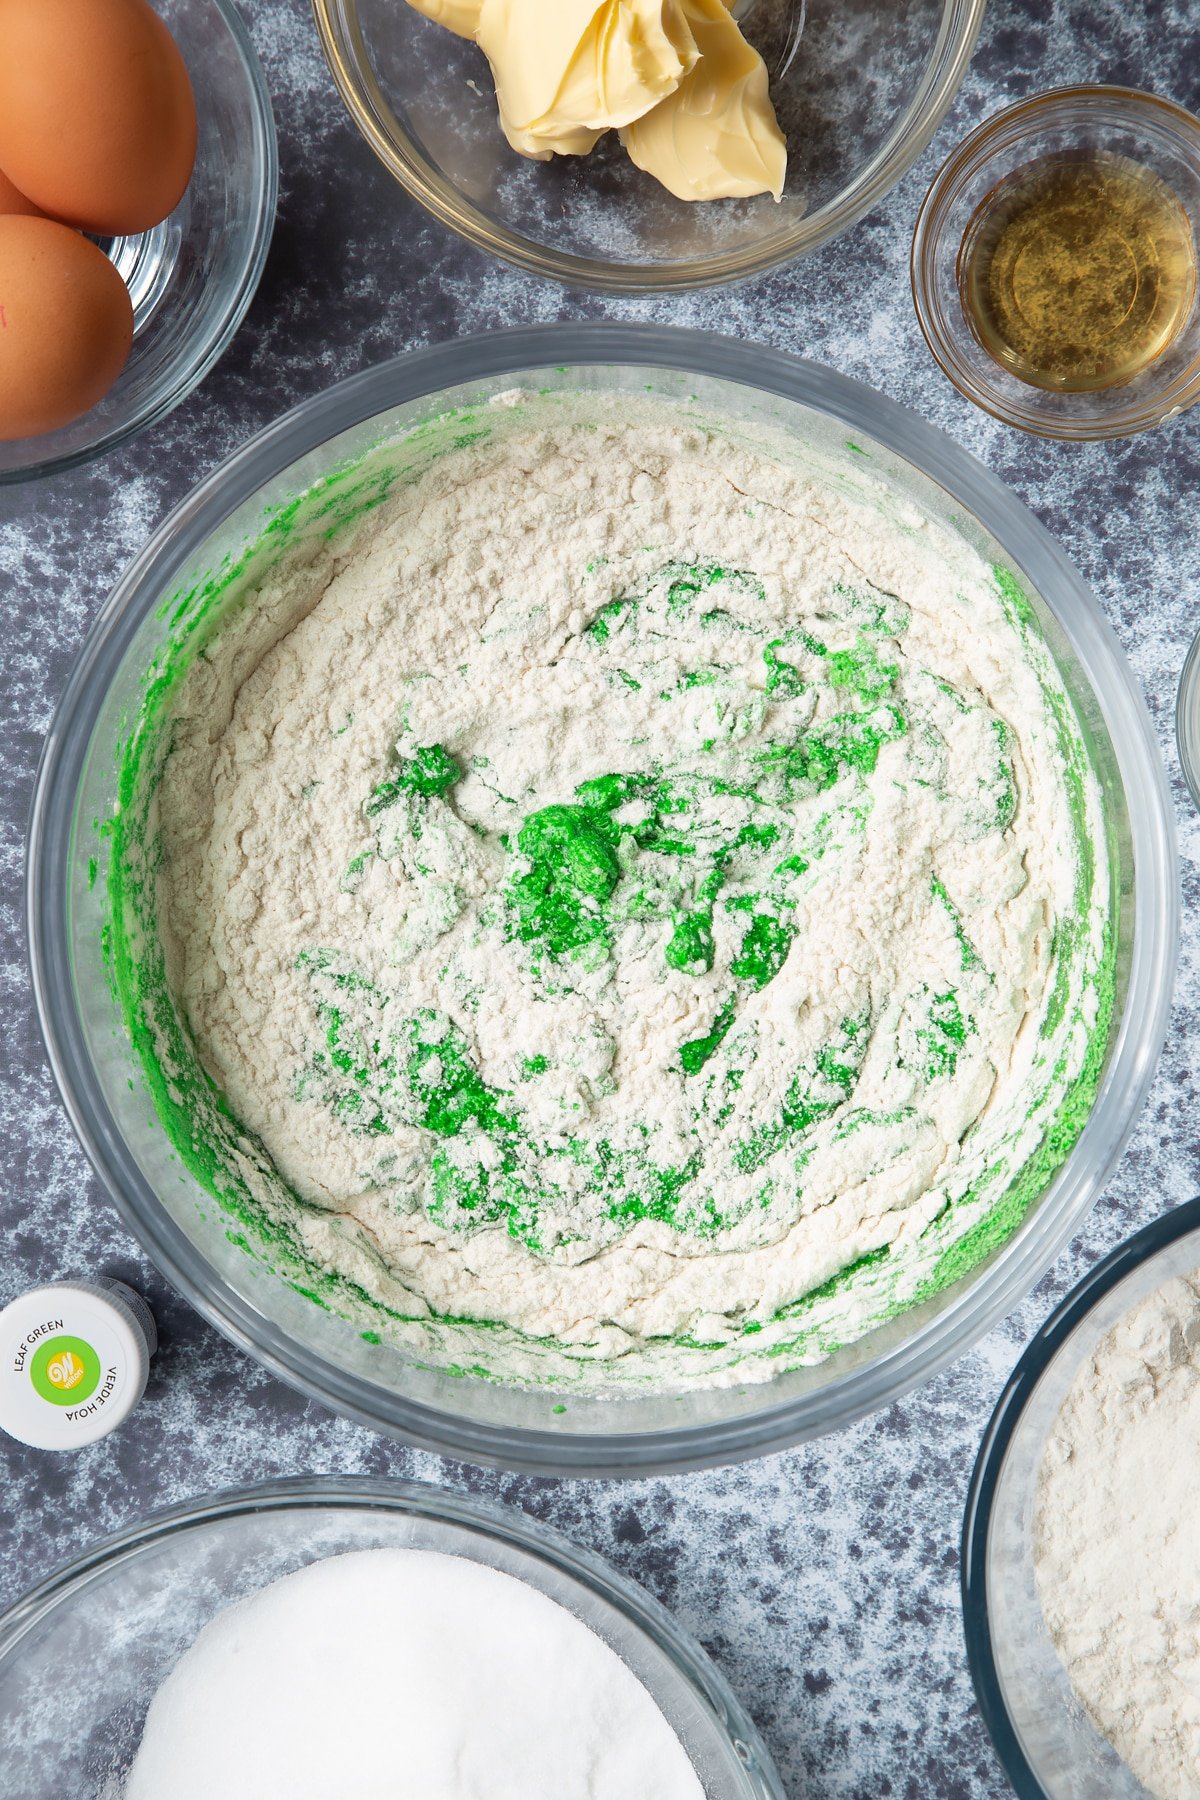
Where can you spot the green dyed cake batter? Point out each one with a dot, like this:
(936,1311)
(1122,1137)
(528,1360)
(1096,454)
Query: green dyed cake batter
(598,902)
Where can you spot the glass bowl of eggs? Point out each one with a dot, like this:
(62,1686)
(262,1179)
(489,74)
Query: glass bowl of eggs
(785,121)
(120,297)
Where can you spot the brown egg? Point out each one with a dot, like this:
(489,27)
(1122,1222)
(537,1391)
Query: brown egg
(66,326)
(12,200)
(97,118)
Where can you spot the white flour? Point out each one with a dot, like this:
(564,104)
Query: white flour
(392,1673)
(629,883)
(1116,1543)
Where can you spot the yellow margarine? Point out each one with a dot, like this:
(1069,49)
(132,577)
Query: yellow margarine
(572,70)
(716,136)
(461,16)
(676,77)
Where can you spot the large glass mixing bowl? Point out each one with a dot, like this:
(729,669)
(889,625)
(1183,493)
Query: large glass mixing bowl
(83,1654)
(859,87)
(100,1077)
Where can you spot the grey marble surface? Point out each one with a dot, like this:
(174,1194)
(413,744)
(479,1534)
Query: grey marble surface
(823,1581)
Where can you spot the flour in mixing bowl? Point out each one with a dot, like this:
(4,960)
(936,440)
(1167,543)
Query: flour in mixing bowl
(643,901)
(1115,1539)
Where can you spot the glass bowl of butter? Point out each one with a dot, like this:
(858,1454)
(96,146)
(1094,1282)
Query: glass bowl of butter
(656,145)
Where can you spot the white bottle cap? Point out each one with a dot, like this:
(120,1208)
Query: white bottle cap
(74,1357)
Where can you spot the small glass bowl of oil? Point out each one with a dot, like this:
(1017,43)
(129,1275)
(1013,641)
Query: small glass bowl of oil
(1055,259)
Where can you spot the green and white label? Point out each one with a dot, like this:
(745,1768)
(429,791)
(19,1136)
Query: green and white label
(74,1357)
(65,1371)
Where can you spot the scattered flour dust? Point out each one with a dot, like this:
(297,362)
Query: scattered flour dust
(1116,1538)
(385,1674)
(632,883)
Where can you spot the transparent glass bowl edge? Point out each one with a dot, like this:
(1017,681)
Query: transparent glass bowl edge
(773,1425)
(1187,719)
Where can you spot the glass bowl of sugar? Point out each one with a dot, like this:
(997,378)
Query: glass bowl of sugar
(83,1655)
(1080,1584)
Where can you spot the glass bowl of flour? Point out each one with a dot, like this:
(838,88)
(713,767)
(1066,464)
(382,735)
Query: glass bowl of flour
(83,1655)
(602,899)
(1080,1589)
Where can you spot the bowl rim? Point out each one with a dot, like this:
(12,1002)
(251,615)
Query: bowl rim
(345,53)
(1035,111)
(1039,1353)
(188,375)
(1187,702)
(707,1686)
(1134,1048)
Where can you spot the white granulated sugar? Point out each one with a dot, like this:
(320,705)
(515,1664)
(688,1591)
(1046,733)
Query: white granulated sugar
(1117,1552)
(628,882)
(385,1674)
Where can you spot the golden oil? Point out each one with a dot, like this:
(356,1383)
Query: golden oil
(1078,270)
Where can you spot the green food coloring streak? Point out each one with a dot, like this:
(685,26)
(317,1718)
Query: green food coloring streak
(764,950)
(695,1054)
(943,1037)
(573,868)
(815,1092)
(861,670)
(431,772)
(784,680)
(967,951)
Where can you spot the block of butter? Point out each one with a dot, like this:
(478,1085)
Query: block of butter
(569,71)
(675,77)
(716,135)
